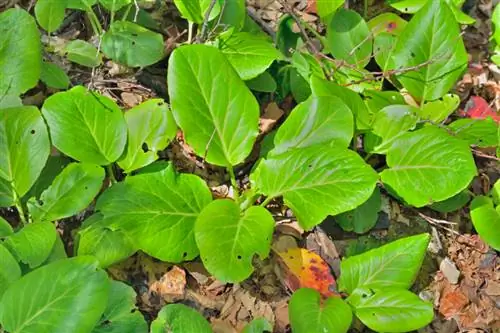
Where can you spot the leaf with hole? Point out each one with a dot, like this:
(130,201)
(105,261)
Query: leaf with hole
(220,122)
(316,181)
(363,217)
(229,238)
(50,14)
(83,53)
(54,77)
(179,318)
(68,295)
(486,220)
(86,126)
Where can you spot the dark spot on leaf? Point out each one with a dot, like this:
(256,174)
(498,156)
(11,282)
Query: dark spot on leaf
(134,34)
(160,103)
(406,9)
(40,202)
(17,142)
(441,99)
(364,295)
(184,255)
(133,43)
(310,166)
(291,257)
(412,55)
(32,131)
(239,257)
(86,187)
(145,147)
(106,322)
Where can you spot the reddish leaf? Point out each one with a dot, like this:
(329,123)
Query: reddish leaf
(478,108)
(311,7)
(306,269)
(452,303)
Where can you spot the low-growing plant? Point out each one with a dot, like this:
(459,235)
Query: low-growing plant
(313,160)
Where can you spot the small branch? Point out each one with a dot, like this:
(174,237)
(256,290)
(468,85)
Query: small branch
(19,207)
(253,15)
(303,32)
(438,223)
(136,10)
(483,155)
(234,184)
(202,36)
(111,174)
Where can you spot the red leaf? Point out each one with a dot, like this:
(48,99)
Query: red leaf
(478,108)
(311,7)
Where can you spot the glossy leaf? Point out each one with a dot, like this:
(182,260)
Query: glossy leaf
(24,148)
(151,127)
(10,101)
(9,269)
(178,318)
(308,314)
(5,228)
(348,38)
(495,192)
(195,10)
(68,295)
(363,217)
(132,45)
(121,314)
(54,166)
(317,121)
(80,4)
(495,20)
(326,8)
(299,86)
(166,204)
(114,5)
(286,37)
(33,243)
(486,220)
(229,113)
(263,83)
(258,325)
(387,22)
(391,310)
(228,238)
(20,54)
(54,77)
(307,65)
(232,14)
(377,100)
(71,192)
(249,54)
(83,53)
(316,181)
(439,110)
(394,265)
(428,165)
(432,36)
(7,196)
(388,125)
(478,132)
(85,125)
(452,204)
(383,45)
(50,14)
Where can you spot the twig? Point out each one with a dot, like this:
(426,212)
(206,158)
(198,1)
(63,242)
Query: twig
(303,32)
(439,223)
(136,10)
(481,154)
(253,15)
(202,36)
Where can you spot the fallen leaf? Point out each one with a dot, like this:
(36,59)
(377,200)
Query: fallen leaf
(312,7)
(452,303)
(477,108)
(271,115)
(171,285)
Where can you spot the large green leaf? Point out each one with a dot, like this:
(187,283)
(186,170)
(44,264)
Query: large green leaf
(86,126)
(394,265)
(352,99)
(390,310)
(114,5)
(24,147)
(348,38)
(219,121)
(178,318)
(53,76)
(388,125)
(33,243)
(478,132)
(194,10)
(9,269)
(249,54)
(228,238)
(151,127)
(5,228)
(158,210)
(318,120)
(50,13)
(428,165)
(439,110)
(486,220)
(68,295)
(431,37)
(20,52)
(7,196)
(72,191)
(233,14)
(83,53)
(132,45)
(452,204)
(316,181)
(121,314)
(363,217)
(326,8)
(308,313)
(54,166)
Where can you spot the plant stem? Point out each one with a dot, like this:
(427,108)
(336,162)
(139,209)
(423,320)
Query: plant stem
(266,202)
(125,14)
(236,195)
(190,32)
(365,9)
(111,174)
(94,21)
(367,157)
(20,209)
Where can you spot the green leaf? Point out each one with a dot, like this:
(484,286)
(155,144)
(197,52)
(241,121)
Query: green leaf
(413,6)
(258,325)
(166,204)
(408,6)
(10,101)
(388,125)
(9,270)
(114,5)
(220,122)
(299,86)
(132,45)
(5,228)
(428,165)
(495,20)
(58,251)
(104,241)
(262,83)
(195,10)
(24,147)
(50,14)
(85,125)
(286,38)
(54,77)
(307,65)
(317,121)
(348,38)
(452,204)
(495,192)
(478,132)
(383,46)
(249,54)
(361,114)
(432,36)
(68,295)
(33,243)
(80,4)
(387,22)
(356,79)
(20,58)
(377,100)
(243,234)
(316,181)
(326,8)
(486,220)
(363,217)
(121,314)
(439,110)
(391,310)
(179,318)
(7,197)
(71,192)
(83,53)
(394,265)
(309,314)
(151,127)
(232,14)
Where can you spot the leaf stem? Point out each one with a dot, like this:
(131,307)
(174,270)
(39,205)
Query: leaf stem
(127,11)
(266,202)
(94,21)
(111,174)
(236,195)
(19,207)
(190,32)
